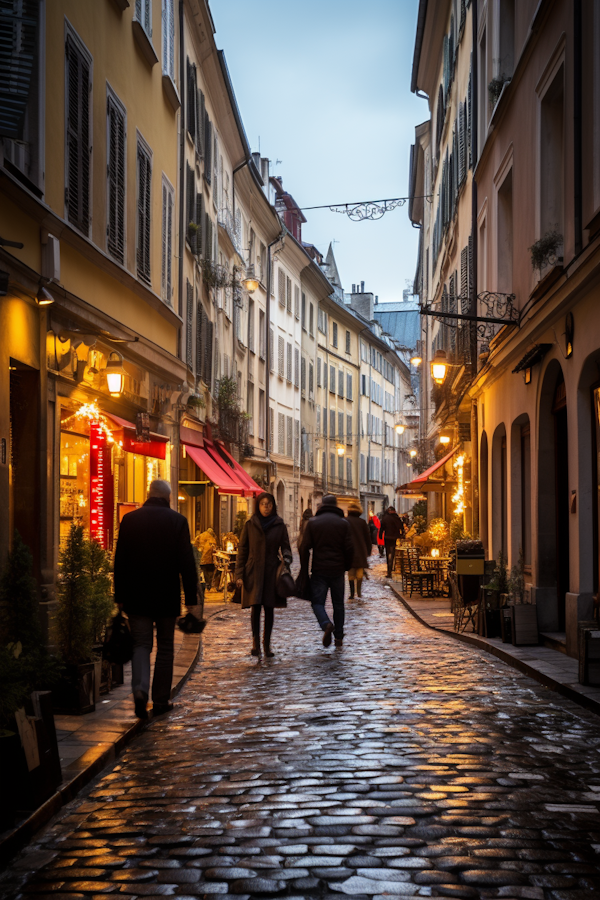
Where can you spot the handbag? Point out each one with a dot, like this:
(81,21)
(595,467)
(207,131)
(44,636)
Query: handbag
(189,624)
(302,587)
(118,643)
(285,585)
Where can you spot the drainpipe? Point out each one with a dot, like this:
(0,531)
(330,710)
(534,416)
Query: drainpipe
(268,348)
(577,126)
(175,493)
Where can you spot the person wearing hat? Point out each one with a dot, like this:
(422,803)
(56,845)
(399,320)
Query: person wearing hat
(264,537)
(327,534)
(361,541)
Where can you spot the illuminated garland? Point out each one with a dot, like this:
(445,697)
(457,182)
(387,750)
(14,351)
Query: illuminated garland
(91,412)
(458,498)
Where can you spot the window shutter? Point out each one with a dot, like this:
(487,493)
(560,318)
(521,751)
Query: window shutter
(209,354)
(288,294)
(189,322)
(208,141)
(318,371)
(332,423)
(311,319)
(311,381)
(199,220)
(271,350)
(303,374)
(200,327)
(464,279)
(341,425)
(332,379)
(116,180)
(190,208)
(281,433)
(296,301)
(324,422)
(303,311)
(289,436)
(349,428)
(470,135)
(200,118)
(165,194)
(281,286)
(281,360)
(191,99)
(296,440)
(289,362)
(144,167)
(349,386)
(78,137)
(296,367)
(340,383)
(167,243)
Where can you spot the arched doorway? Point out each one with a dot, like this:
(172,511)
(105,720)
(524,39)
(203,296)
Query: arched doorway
(483,491)
(280,498)
(520,491)
(553,502)
(499,494)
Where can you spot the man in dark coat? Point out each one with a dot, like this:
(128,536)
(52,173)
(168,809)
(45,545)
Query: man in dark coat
(153,551)
(391,529)
(327,534)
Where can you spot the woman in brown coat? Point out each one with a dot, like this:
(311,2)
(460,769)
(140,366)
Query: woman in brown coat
(264,537)
(361,541)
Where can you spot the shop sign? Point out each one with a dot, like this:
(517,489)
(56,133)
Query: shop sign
(101,487)
(156,449)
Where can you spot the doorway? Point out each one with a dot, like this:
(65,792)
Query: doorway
(561,481)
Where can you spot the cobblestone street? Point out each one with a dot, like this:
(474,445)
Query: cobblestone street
(405,764)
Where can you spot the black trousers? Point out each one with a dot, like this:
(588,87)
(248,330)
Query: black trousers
(390,547)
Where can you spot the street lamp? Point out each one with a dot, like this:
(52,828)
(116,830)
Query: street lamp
(250,282)
(416,360)
(413,453)
(399,428)
(115,374)
(439,365)
(444,439)
(340,450)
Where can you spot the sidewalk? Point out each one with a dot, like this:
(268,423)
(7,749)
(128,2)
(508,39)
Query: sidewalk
(88,743)
(551,668)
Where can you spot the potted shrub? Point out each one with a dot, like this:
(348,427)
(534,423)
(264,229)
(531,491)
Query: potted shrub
(75,694)
(524,615)
(491,598)
(546,251)
(101,607)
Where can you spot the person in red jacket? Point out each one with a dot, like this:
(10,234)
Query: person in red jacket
(380,540)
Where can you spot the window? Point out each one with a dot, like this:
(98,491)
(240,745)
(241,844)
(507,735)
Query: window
(324,422)
(341,426)
(281,286)
(311,381)
(189,324)
(261,334)
(168,206)
(319,383)
(332,465)
(168,39)
(289,436)
(271,350)
(281,357)
(506,23)
(362,468)
(505,235)
(311,320)
(348,342)
(341,468)
(349,386)
(303,312)
(288,294)
(348,473)
(340,383)
(297,367)
(281,433)
(364,352)
(271,428)
(334,336)
(318,420)
(116,135)
(297,440)
(332,423)
(303,375)
(332,379)
(192,123)
(288,359)
(322,321)
(250,407)
(296,301)
(143,15)
(551,157)
(251,325)
(78,86)
(261,415)
(144,180)
(363,385)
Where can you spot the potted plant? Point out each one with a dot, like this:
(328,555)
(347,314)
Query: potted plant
(73,620)
(495,87)
(491,598)
(101,607)
(524,628)
(546,251)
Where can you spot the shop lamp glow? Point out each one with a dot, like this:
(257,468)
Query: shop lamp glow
(399,429)
(413,453)
(416,360)
(439,366)
(115,374)
(250,282)
(444,438)
(340,450)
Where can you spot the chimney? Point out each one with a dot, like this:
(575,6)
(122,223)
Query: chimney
(362,302)
(264,169)
(353,288)
(376,299)
(362,287)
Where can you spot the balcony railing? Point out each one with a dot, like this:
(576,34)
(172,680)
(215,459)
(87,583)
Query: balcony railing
(227,221)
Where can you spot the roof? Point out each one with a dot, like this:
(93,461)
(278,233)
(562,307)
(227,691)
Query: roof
(403,322)
(418,45)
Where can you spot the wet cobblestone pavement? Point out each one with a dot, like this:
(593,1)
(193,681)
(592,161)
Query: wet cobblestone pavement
(405,764)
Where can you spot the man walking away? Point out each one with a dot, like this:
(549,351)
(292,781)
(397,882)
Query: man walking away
(391,529)
(361,541)
(153,550)
(327,534)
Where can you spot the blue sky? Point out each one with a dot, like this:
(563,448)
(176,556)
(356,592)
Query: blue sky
(325,85)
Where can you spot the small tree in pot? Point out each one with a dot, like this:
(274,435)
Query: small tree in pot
(74,623)
(101,607)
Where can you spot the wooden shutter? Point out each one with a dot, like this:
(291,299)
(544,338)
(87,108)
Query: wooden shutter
(200,335)
(324,422)
(303,374)
(281,286)
(296,367)
(78,137)
(271,428)
(464,279)
(200,117)
(349,428)
(144,169)
(280,357)
(319,371)
(189,324)
(199,219)
(303,311)
(296,301)
(288,294)
(281,434)
(115,229)
(208,141)
(289,436)
(462,137)
(271,350)
(192,123)
(349,473)
(296,440)
(311,381)
(470,135)
(167,242)
(289,362)
(207,367)
(332,423)
(190,208)
(349,386)
(341,425)
(340,383)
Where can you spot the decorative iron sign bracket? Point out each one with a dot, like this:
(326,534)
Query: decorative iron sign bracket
(500,311)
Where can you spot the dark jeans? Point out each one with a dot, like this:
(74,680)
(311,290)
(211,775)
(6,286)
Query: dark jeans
(142,631)
(320,584)
(381,548)
(390,548)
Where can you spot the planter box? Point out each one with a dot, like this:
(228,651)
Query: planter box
(589,653)
(524,624)
(75,693)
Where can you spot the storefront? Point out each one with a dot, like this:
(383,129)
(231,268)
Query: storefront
(106,466)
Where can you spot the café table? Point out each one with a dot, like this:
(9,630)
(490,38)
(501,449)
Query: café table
(439,566)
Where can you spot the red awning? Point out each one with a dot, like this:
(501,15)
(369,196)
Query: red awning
(251,485)
(225,483)
(421,480)
(156,447)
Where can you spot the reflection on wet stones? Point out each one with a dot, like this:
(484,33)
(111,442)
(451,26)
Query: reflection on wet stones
(408,765)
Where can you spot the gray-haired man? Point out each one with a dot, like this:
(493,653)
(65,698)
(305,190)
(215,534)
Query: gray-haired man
(153,551)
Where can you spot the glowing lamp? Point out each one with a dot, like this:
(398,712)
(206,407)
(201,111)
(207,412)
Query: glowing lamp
(444,439)
(413,453)
(416,360)
(229,547)
(250,282)
(439,366)
(435,552)
(340,450)
(44,297)
(399,429)
(115,374)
